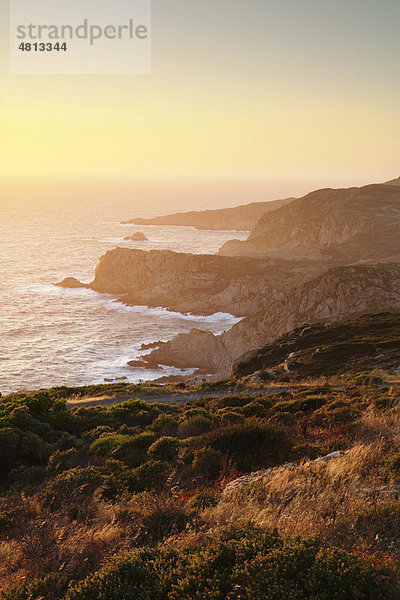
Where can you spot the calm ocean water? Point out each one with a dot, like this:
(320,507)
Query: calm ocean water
(51,336)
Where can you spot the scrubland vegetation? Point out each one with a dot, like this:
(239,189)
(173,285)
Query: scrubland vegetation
(129,502)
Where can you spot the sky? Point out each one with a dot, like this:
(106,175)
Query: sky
(306,91)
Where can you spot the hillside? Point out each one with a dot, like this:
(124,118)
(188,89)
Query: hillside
(242,490)
(360,344)
(394,181)
(238,218)
(350,224)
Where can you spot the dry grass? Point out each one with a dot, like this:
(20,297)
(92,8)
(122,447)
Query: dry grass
(305,501)
(77,400)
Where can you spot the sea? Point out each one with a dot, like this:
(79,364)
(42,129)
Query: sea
(52,336)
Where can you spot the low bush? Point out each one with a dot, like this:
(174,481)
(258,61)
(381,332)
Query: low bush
(207,462)
(247,565)
(151,474)
(165,448)
(194,426)
(251,445)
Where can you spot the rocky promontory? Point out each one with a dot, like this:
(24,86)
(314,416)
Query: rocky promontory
(344,225)
(238,218)
(195,283)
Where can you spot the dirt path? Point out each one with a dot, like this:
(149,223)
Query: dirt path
(180,397)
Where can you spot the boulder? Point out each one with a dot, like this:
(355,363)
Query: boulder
(137,237)
(71,282)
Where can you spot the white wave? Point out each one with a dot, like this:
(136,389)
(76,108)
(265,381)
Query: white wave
(216,318)
(111,302)
(114,241)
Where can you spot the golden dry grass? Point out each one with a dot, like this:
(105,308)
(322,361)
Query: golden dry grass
(305,501)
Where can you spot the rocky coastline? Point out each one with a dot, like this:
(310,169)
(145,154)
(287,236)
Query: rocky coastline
(328,256)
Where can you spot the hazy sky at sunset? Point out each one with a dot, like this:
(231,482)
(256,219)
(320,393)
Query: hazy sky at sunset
(256,89)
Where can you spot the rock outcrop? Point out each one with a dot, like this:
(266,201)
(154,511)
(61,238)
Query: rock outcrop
(182,351)
(137,237)
(336,295)
(337,226)
(239,218)
(72,283)
(201,284)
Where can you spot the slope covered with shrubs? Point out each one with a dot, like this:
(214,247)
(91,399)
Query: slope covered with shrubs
(128,501)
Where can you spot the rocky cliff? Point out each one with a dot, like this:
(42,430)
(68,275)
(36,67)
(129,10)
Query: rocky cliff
(239,218)
(345,225)
(337,294)
(202,284)
(327,256)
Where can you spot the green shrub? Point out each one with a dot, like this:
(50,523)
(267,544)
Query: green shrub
(336,574)
(255,409)
(73,484)
(163,523)
(133,451)
(63,460)
(151,474)
(251,445)
(165,425)
(130,576)
(194,426)
(337,414)
(166,448)
(49,588)
(26,476)
(107,444)
(234,401)
(307,404)
(241,566)
(227,416)
(207,462)
(310,451)
(9,442)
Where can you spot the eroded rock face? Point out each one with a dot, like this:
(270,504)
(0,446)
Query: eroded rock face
(183,351)
(346,225)
(333,296)
(201,284)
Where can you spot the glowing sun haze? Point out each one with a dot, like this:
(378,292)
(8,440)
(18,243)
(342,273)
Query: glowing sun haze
(306,89)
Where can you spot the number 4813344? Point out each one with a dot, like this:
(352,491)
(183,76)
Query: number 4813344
(42,47)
